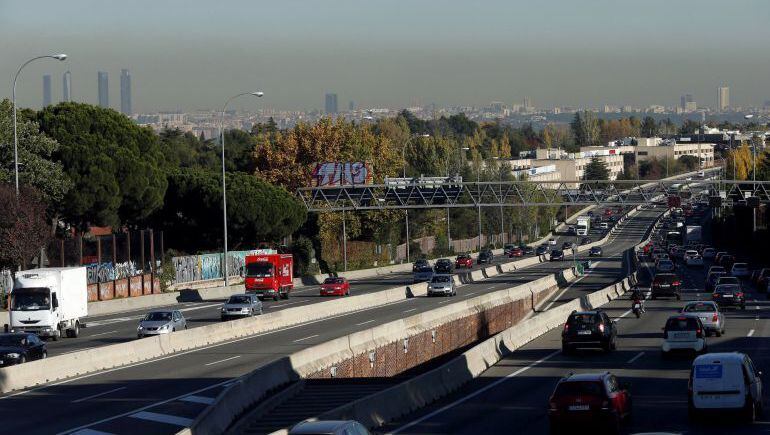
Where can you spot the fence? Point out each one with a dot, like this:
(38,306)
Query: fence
(428,243)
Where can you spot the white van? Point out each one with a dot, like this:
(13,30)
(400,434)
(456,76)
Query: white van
(725,381)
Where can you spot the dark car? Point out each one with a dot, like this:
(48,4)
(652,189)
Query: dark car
(762,278)
(557,255)
(528,250)
(566,245)
(588,329)
(541,250)
(585,240)
(443,265)
(729,295)
(711,280)
(727,261)
(595,251)
(666,284)
(485,256)
(18,348)
(596,403)
(508,248)
(420,263)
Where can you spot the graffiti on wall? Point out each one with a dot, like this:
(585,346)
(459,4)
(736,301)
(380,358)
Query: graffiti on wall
(107,271)
(340,173)
(209,266)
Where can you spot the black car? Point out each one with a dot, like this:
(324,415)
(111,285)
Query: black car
(666,284)
(585,240)
(566,245)
(711,280)
(528,250)
(485,256)
(557,255)
(588,329)
(595,251)
(419,264)
(20,347)
(541,250)
(443,265)
(729,295)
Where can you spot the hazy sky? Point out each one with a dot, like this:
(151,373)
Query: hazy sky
(192,54)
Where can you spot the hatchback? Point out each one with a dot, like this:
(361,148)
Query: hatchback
(557,255)
(666,284)
(597,403)
(443,265)
(684,332)
(740,270)
(708,311)
(335,286)
(20,347)
(588,329)
(161,322)
(727,382)
(541,250)
(441,285)
(464,260)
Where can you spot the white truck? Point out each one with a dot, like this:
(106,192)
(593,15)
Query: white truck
(49,302)
(692,234)
(583,225)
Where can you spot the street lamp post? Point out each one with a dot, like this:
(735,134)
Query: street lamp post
(224,183)
(448,222)
(59,57)
(406,210)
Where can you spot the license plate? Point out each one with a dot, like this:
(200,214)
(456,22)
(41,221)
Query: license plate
(681,334)
(578,407)
(727,296)
(664,286)
(584,332)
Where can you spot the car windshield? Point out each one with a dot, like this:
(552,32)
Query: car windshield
(259,270)
(158,316)
(583,319)
(692,253)
(579,388)
(440,279)
(241,299)
(556,252)
(463,257)
(681,324)
(12,340)
(334,281)
(665,263)
(699,308)
(442,262)
(30,299)
(740,266)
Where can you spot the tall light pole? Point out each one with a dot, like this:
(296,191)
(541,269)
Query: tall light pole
(60,57)
(448,222)
(224,183)
(406,210)
(502,216)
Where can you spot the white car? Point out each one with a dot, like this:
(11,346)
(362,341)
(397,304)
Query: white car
(604,225)
(740,270)
(692,258)
(552,242)
(684,332)
(725,382)
(709,253)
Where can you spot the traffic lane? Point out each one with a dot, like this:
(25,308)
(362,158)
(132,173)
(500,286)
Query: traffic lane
(527,378)
(149,383)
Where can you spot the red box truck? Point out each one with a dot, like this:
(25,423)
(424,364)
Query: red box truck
(270,275)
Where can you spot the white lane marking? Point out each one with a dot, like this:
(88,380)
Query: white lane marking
(443,302)
(283,305)
(409,310)
(105,322)
(163,418)
(102,333)
(306,338)
(475,393)
(223,360)
(364,323)
(198,399)
(639,355)
(751,332)
(90,432)
(470,294)
(98,395)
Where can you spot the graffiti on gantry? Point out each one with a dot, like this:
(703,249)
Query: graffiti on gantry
(341,173)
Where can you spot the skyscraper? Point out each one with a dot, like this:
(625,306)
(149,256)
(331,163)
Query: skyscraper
(724,97)
(46,90)
(125,92)
(67,87)
(330,106)
(352,105)
(686,98)
(104,90)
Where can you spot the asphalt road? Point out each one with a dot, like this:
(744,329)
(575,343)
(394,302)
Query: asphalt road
(515,392)
(160,395)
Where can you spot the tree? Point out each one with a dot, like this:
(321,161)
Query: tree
(585,128)
(596,170)
(739,163)
(117,167)
(689,163)
(23,226)
(649,127)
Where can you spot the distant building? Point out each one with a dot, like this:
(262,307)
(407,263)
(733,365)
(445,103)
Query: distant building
(687,104)
(528,104)
(723,97)
(104,90)
(330,104)
(125,92)
(351,106)
(67,87)
(46,90)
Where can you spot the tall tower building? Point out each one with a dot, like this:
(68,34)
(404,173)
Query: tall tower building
(330,104)
(125,92)
(527,103)
(724,97)
(104,90)
(46,90)
(67,87)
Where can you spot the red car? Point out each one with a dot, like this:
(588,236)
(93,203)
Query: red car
(464,260)
(516,252)
(335,286)
(594,402)
(608,212)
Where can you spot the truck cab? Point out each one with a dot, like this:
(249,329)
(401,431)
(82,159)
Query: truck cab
(583,225)
(269,275)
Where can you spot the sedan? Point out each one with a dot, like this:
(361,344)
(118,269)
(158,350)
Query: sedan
(528,250)
(604,226)
(541,250)
(708,311)
(595,251)
(245,305)
(557,255)
(161,322)
(516,252)
(335,286)
(708,253)
(485,256)
(20,347)
(729,295)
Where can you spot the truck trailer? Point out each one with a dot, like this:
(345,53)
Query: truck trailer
(583,225)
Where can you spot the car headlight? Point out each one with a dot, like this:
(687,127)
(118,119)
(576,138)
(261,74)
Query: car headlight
(13,355)
(139,328)
(224,309)
(164,327)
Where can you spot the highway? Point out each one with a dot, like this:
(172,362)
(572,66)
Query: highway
(160,395)
(515,392)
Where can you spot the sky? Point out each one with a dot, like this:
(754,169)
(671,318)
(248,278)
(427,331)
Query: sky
(192,54)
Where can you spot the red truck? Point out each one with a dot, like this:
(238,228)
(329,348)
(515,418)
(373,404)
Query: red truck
(270,275)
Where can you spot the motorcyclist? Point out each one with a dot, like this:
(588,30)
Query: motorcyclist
(637,296)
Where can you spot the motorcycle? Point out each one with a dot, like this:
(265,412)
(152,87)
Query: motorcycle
(636,306)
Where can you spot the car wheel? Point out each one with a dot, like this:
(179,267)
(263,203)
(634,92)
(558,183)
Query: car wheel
(44,355)
(260,311)
(22,359)
(751,410)
(743,307)
(678,297)
(718,333)
(275,297)
(173,329)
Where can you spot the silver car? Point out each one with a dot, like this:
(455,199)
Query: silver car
(713,320)
(243,305)
(161,322)
(441,285)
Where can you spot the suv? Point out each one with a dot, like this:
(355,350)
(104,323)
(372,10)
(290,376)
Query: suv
(485,256)
(684,332)
(666,284)
(588,329)
(443,265)
(727,382)
(729,295)
(464,260)
(442,285)
(587,400)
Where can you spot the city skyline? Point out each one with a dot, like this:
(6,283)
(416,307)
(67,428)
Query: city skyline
(557,53)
